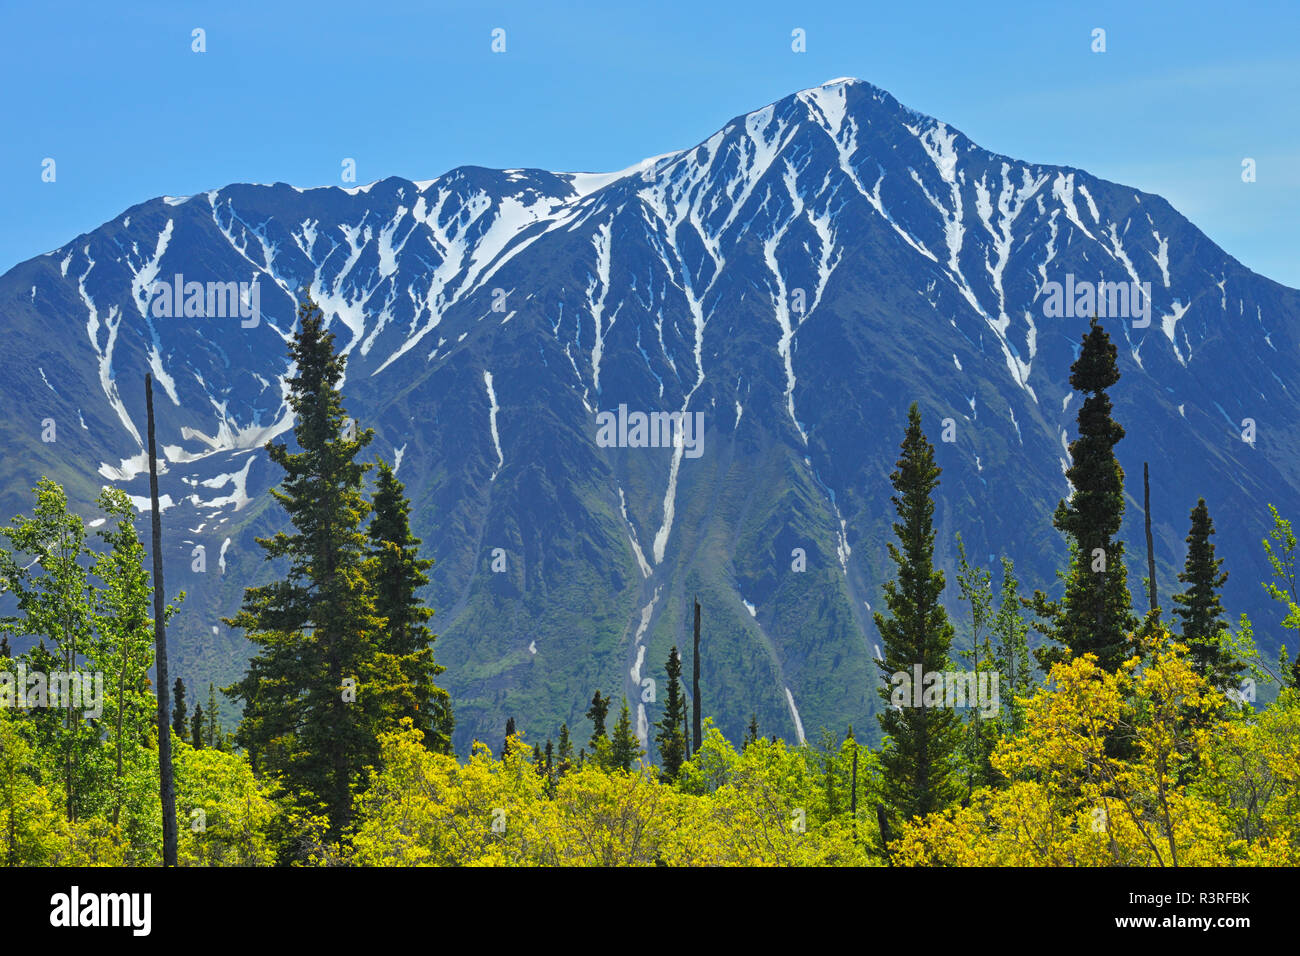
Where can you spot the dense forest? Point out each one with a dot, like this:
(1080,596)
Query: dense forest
(1126,733)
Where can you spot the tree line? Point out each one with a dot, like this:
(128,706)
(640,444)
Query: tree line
(1117,739)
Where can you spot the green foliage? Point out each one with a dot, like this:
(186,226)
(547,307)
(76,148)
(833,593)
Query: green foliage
(1095,614)
(1252,775)
(671,737)
(180,716)
(1199,607)
(597,713)
(564,755)
(1280,549)
(981,733)
(224,813)
(196,728)
(919,756)
(624,748)
(90,748)
(399,573)
(1011,631)
(1199,782)
(46,567)
(313,694)
(213,738)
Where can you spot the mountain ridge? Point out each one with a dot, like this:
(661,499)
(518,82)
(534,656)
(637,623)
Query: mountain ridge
(669,287)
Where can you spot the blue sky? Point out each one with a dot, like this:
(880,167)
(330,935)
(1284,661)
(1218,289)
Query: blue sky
(286,91)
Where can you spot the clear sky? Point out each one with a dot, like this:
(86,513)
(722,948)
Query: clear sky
(286,90)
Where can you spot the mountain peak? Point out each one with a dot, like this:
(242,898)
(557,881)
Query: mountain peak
(844,81)
(798,278)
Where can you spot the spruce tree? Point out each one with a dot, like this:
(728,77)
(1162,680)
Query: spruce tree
(398,573)
(311,690)
(1015,671)
(212,730)
(1199,607)
(546,767)
(751,732)
(975,587)
(564,753)
(624,748)
(1095,615)
(920,756)
(597,713)
(829,752)
(179,715)
(510,732)
(672,744)
(196,728)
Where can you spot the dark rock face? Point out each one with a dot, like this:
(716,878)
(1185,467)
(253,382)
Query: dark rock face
(798,279)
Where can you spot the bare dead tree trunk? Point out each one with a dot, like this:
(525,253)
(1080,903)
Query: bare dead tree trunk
(166,784)
(883,824)
(695,684)
(1151,555)
(686,734)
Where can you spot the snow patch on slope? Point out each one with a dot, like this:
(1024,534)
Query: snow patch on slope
(493,408)
(794,715)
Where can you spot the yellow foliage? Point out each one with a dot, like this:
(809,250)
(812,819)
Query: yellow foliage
(425,809)
(1098,776)
(223,813)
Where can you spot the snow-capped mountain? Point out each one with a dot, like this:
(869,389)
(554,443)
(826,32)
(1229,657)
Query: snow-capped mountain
(798,279)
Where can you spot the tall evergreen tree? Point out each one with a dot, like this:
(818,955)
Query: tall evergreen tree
(196,728)
(751,732)
(975,588)
(1199,607)
(564,752)
(672,744)
(1095,615)
(919,759)
(624,748)
(828,753)
(399,573)
(180,717)
(597,713)
(310,691)
(212,729)
(1015,670)
(510,732)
